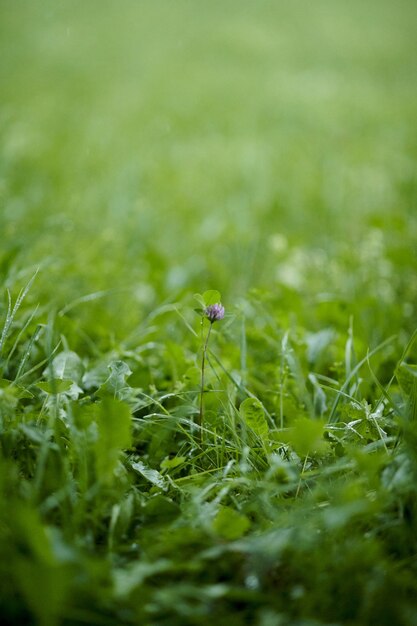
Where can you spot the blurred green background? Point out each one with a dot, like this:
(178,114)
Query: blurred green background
(159,148)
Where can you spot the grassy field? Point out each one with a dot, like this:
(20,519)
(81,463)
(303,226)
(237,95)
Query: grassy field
(151,151)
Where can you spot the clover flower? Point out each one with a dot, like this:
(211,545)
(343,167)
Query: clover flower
(214,312)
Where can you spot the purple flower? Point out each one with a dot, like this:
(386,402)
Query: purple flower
(214,312)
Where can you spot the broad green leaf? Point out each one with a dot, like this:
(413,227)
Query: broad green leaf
(229,524)
(33,536)
(318,342)
(253,415)
(367,429)
(211,297)
(83,416)
(67,365)
(129,577)
(114,434)
(200,299)
(406,374)
(96,376)
(407,379)
(119,373)
(152,475)
(55,386)
(40,577)
(306,436)
(161,508)
(32,433)
(9,397)
(168,463)
(192,375)
(10,387)
(44,588)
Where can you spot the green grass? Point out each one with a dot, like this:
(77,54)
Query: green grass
(153,150)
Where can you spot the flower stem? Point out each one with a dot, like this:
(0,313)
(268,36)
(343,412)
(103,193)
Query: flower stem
(203,365)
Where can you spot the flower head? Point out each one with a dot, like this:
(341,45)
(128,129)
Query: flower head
(214,312)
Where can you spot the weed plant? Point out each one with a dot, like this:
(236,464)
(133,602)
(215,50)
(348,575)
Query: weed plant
(151,152)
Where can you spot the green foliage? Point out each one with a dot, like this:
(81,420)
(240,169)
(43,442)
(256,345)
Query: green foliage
(267,149)
(306,436)
(253,415)
(209,297)
(55,386)
(114,425)
(230,524)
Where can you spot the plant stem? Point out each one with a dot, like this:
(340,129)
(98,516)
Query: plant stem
(203,365)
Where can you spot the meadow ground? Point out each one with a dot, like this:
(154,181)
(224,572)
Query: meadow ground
(150,151)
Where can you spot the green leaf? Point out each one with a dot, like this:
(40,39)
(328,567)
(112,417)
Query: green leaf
(229,524)
(67,365)
(55,386)
(320,404)
(192,375)
(9,387)
(160,508)
(306,436)
(168,463)
(117,381)
(206,299)
(211,297)
(44,588)
(127,578)
(33,434)
(33,535)
(83,416)
(152,475)
(200,299)
(406,374)
(253,415)
(114,434)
